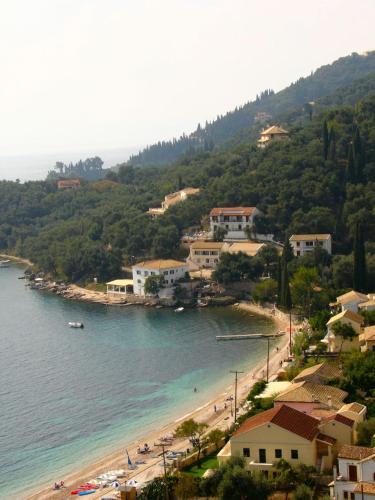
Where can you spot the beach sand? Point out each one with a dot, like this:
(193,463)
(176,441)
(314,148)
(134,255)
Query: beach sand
(220,419)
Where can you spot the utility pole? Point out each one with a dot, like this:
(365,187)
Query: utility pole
(235,393)
(268,357)
(162,445)
(290,332)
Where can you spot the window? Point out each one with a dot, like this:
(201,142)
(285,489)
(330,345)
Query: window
(274,475)
(172,280)
(298,243)
(139,281)
(165,273)
(138,272)
(226,226)
(294,454)
(171,271)
(152,273)
(262,455)
(298,253)
(246,452)
(239,227)
(345,494)
(265,473)
(166,281)
(309,243)
(278,453)
(146,273)
(352,496)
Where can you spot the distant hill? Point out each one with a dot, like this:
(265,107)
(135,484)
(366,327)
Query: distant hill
(234,124)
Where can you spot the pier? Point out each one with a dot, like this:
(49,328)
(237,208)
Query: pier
(250,336)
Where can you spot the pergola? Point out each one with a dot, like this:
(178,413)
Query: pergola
(120,287)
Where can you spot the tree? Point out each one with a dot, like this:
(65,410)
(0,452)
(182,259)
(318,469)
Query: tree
(303,288)
(350,167)
(155,490)
(359,371)
(366,433)
(194,431)
(286,478)
(219,234)
(301,343)
(359,267)
(345,331)
(187,487)
(285,300)
(153,284)
(325,140)
(303,492)
(238,484)
(265,291)
(359,155)
(215,437)
(332,145)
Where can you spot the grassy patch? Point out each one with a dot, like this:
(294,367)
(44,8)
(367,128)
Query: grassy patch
(96,287)
(197,470)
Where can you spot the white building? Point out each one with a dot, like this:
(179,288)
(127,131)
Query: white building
(351,300)
(273,133)
(171,271)
(234,220)
(356,474)
(304,243)
(171,199)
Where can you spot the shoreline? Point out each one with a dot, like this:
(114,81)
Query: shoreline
(204,413)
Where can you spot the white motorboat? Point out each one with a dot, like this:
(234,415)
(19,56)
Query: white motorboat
(179,310)
(4,263)
(75,324)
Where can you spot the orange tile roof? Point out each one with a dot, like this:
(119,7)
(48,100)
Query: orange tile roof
(350,296)
(310,392)
(274,129)
(323,370)
(356,452)
(366,488)
(232,211)
(309,237)
(357,318)
(326,439)
(285,417)
(160,264)
(216,245)
(340,418)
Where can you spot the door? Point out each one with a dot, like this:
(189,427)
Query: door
(262,455)
(352,473)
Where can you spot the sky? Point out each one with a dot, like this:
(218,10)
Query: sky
(89,75)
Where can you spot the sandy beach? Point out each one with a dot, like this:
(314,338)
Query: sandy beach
(220,419)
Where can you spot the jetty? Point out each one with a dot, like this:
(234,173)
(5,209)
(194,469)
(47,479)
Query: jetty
(248,336)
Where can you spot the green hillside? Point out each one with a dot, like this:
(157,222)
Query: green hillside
(235,124)
(92,230)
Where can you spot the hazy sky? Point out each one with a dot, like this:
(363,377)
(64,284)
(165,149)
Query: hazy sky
(94,74)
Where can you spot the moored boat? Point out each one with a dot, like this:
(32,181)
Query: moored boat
(179,310)
(76,324)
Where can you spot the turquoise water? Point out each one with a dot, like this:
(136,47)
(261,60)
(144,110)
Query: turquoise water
(68,396)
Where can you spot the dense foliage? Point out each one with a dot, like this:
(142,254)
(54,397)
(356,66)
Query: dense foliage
(241,124)
(92,230)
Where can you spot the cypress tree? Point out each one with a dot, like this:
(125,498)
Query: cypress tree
(359,267)
(287,254)
(350,168)
(359,155)
(279,281)
(285,297)
(325,140)
(332,145)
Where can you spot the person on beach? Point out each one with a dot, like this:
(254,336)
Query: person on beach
(215,409)
(195,389)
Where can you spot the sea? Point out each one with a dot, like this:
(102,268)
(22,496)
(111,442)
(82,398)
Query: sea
(68,396)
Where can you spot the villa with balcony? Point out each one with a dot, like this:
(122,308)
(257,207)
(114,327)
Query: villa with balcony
(233,220)
(304,243)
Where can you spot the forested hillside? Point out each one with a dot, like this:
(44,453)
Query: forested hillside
(320,180)
(239,123)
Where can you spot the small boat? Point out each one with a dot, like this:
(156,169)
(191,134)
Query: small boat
(179,310)
(4,263)
(86,492)
(75,324)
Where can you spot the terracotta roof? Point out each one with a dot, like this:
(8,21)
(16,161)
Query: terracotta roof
(216,245)
(353,407)
(323,370)
(340,418)
(370,302)
(309,237)
(357,318)
(67,183)
(285,417)
(326,439)
(309,392)
(274,129)
(366,488)
(356,452)
(160,264)
(232,211)
(351,296)
(248,248)
(368,333)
